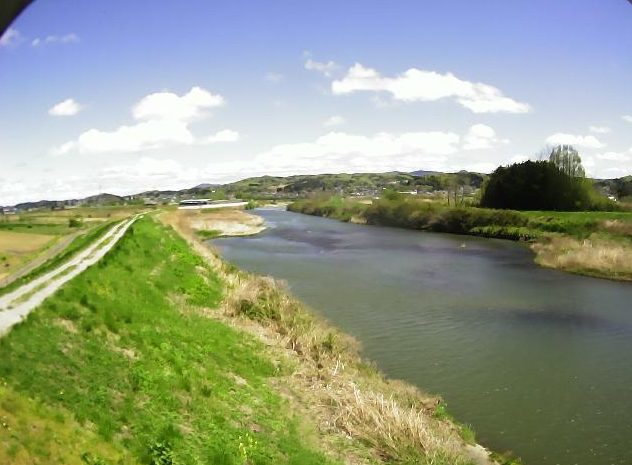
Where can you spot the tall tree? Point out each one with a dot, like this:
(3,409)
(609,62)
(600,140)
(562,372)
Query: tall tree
(568,161)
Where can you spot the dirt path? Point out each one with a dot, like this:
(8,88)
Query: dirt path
(16,305)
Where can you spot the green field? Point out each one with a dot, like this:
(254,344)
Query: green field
(120,367)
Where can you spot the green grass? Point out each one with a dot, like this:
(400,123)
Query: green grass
(79,243)
(208,234)
(36,228)
(123,351)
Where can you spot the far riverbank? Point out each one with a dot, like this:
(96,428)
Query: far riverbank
(597,244)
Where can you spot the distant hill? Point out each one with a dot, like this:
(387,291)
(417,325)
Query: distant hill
(422,173)
(103,199)
(100,199)
(288,187)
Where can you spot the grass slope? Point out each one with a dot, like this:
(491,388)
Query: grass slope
(118,367)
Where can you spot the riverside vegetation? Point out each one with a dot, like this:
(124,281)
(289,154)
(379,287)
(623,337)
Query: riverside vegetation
(594,243)
(163,354)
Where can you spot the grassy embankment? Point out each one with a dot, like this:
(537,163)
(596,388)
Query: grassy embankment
(590,243)
(158,356)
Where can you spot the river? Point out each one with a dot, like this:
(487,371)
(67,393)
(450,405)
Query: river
(539,362)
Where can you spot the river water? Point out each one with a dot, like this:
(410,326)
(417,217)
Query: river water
(539,362)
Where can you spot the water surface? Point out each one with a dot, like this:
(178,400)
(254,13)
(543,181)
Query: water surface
(538,361)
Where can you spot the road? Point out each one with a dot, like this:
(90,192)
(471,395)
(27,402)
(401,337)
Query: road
(16,305)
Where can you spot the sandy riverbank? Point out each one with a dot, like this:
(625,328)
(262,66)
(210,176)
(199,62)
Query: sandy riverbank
(222,222)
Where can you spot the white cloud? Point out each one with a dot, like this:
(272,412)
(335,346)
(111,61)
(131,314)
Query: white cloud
(627,118)
(274,77)
(335,120)
(326,68)
(148,173)
(10,37)
(599,129)
(519,158)
(481,136)
(167,105)
(416,85)
(163,119)
(68,107)
(225,135)
(64,148)
(135,138)
(560,138)
(69,38)
(339,151)
(615,156)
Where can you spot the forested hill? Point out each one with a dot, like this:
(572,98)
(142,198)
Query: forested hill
(357,184)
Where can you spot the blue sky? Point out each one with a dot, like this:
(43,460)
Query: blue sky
(123,96)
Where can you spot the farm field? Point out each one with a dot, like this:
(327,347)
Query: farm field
(31,239)
(17,248)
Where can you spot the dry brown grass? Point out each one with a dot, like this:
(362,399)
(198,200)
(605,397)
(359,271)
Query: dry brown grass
(16,248)
(623,228)
(593,256)
(227,222)
(362,416)
(22,243)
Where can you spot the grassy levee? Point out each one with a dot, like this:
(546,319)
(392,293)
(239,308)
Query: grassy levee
(590,243)
(78,244)
(122,366)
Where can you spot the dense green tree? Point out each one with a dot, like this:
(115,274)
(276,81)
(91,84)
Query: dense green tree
(567,160)
(535,185)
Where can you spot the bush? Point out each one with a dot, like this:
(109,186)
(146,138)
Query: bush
(75,222)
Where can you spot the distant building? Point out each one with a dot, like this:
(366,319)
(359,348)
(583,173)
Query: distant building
(9,210)
(196,204)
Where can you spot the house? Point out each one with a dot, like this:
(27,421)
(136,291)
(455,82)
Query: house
(8,210)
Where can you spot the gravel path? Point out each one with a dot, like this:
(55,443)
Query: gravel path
(16,305)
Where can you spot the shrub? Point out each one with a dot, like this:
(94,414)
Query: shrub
(75,222)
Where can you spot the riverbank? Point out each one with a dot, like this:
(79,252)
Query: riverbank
(164,354)
(360,415)
(595,244)
(208,224)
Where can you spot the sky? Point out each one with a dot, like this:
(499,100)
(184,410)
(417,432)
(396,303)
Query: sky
(123,96)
